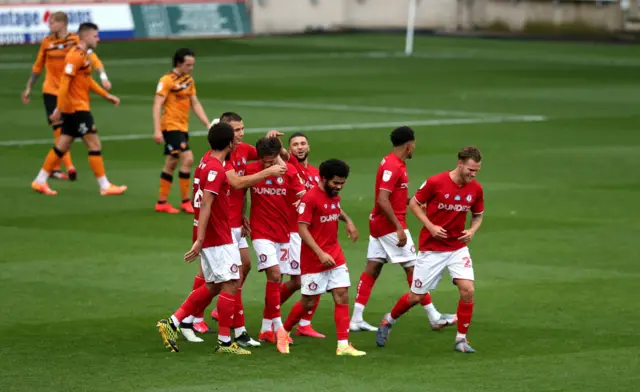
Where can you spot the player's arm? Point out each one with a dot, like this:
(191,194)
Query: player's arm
(244,182)
(387,209)
(198,110)
(477,210)
(352,231)
(36,70)
(307,238)
(203,219)
(158,102)
(416,207)
(63,94)
(98,66)
(96,88)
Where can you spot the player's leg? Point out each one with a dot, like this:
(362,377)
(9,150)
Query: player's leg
(92,141)
(267,254)
(338,285)
(54,157)
(50,103)
(376,257)
(461,270)
(299,309)
(437,320)
(363,291)
(199,325)
(242,337)
(304,326)
(426,275)
(227,273)
(172,158)
(186,164)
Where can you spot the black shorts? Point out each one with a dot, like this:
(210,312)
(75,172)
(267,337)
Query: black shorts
(176,142)
(50,102)
(78,124)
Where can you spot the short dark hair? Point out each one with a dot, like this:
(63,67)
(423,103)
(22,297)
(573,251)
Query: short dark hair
(268,146)
(402,135)
(220,136)
(470,152)
(334,168)
(297,134)
(178,57)
(230,116)
(86,26)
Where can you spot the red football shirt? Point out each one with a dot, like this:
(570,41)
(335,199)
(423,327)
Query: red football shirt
(240,156)
(271,203)
(322,213)
(392,177)
(310,175)
(213,178)
(447,206)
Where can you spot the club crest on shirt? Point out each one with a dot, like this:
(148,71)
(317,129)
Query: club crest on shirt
(386,175)
(212,175)
(317,179)
(446,196)
(469,198)
(280,180)
(301,208)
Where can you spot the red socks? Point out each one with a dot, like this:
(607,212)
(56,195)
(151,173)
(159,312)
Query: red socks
(226,306)
(198,281)
(401,307)
(365,285)
(238,312)
(309,315)
(295,316)
(272,301)
(341,317)
(196,302)
(465,311)
(285,293)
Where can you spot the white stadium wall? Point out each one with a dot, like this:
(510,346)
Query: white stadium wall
(291,16)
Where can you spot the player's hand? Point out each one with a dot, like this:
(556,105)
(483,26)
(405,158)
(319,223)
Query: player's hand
(402,238)
(26,95)
(276,170)
(113,99)
(194,252)
(352,232)
(157,137)
(273,133)
(327,260)
(106,84)
(55,116)
(438,232)
(467,236)
(246,227)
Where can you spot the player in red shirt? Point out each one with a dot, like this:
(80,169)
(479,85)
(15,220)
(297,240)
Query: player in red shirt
(271,203)
(299,158)
(448,197)
(322,261)
(389,239)
(220,257)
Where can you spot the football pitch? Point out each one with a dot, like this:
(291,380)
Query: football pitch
(84,278)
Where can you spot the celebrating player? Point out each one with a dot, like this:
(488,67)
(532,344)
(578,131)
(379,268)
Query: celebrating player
(389,239)
(51,57)
(73,108)
(220,258)
(176,94)
(322,261)
(299,158)
(448,197)
(271,202)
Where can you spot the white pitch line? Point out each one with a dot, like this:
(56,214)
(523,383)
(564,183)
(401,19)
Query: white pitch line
(338,107)
(315,128)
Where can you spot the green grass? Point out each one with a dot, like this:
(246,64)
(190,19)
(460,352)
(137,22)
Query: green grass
(84,278)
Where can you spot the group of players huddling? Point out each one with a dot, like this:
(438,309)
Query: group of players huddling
(294,213)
